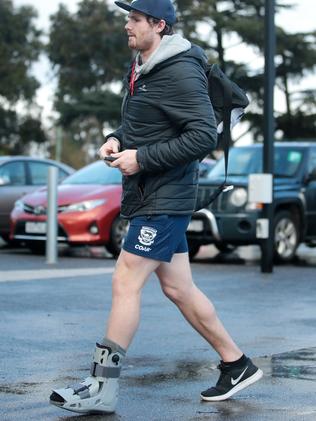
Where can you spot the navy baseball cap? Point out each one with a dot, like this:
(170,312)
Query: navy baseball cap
(159,9)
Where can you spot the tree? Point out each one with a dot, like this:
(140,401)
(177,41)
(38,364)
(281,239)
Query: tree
(242,21)
(20,46)
(89,53)
(297,59)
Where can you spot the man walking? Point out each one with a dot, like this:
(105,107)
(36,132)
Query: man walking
(168,125)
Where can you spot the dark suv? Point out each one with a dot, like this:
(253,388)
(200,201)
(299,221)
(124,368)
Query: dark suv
(231,220)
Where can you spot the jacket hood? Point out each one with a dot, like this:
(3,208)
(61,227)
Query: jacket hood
(197,53)
(170,46)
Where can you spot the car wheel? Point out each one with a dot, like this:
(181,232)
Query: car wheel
(286,236)
(118,232)
(8,242)
(5,237)
(38,247)
(194,248)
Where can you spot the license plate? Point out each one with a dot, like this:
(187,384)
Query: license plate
(35,227)
(196,226)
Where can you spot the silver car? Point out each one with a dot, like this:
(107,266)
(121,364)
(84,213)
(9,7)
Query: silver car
(20,175)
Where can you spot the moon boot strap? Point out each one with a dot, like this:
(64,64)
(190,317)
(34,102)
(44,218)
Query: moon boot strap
(98,393)
(100,367)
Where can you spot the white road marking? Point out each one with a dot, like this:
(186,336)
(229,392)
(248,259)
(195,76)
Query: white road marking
(46,274)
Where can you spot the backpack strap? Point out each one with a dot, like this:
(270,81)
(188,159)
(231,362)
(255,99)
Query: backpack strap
(226,138)
(229,102)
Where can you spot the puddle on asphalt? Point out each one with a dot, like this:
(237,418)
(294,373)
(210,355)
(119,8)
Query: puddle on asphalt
(299,364)
(172,371)
(20,389)
(12,390)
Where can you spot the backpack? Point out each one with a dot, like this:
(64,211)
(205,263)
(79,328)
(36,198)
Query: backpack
(229,102)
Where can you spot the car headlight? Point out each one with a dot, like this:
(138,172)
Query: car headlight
(84,206)
(238,197)
(19,205)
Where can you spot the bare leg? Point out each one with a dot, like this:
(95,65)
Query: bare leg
(99,391)
(177,284)
(129,277)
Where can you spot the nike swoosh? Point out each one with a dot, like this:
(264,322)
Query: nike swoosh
(235,381)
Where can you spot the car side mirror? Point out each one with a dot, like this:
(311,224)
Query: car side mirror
(311,176)
(4,180)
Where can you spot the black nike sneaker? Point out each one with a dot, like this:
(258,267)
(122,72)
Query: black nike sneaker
(232,380)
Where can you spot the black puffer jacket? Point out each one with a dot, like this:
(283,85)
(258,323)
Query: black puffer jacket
(171,123)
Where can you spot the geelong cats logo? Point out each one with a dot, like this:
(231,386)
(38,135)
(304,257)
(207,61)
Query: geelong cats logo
(147,236)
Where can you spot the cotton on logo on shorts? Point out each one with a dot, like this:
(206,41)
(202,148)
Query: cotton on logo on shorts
(147,236)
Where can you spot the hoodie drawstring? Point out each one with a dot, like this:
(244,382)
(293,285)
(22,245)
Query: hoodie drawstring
(133,79)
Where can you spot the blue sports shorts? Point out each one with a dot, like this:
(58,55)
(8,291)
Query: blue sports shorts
(157,237)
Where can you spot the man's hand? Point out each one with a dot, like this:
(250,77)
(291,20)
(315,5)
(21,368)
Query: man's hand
(126,162)
(112,145)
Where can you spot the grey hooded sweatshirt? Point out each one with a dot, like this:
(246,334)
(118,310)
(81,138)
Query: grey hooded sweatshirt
(169,119)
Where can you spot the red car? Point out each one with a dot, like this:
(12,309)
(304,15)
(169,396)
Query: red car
(88,211)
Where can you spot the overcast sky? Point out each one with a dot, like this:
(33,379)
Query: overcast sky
(300,19)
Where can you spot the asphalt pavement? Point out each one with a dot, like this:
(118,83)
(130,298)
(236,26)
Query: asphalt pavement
(51,316)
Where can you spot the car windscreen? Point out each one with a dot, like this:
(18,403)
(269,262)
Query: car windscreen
(244,161)
(96,173)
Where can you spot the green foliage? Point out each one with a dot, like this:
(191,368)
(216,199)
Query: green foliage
(104,106)
(89,47)
(16,132)
(89,51)
(20,46)
(243,20)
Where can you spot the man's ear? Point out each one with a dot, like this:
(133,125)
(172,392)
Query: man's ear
(161,26)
